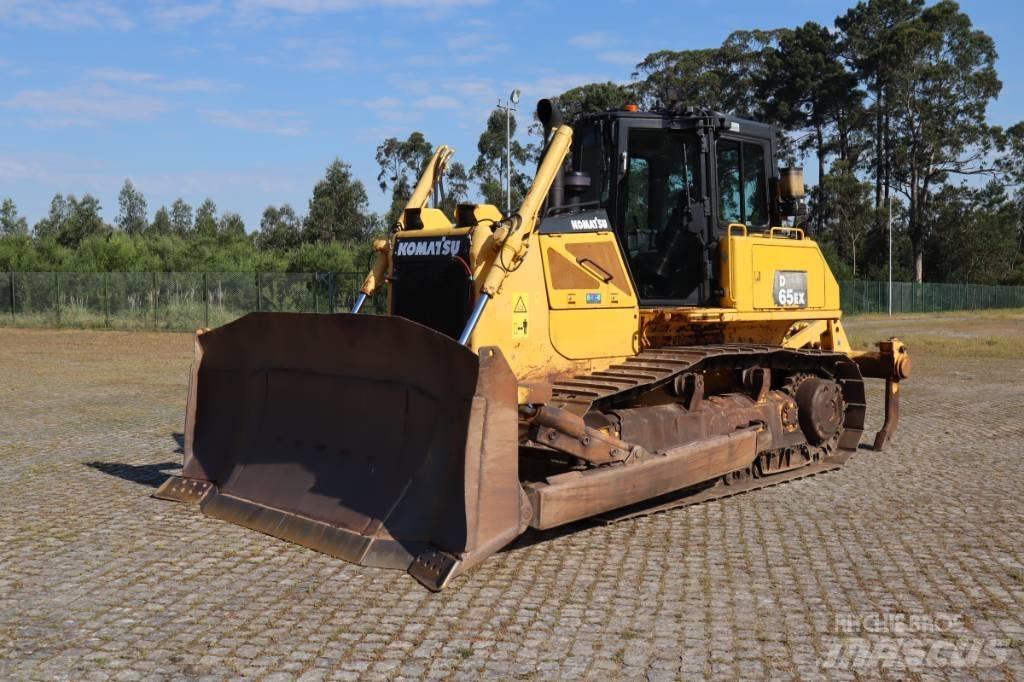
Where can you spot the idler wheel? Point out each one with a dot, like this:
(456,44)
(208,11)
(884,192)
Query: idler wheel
(821,409)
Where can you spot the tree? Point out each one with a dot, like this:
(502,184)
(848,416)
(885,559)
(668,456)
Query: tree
(401,163)
(1011,165)
(83,221)
(808,90)
(280,228)
(161,223)
(723,77)
(50,226)
(489,169)
(593,98)
(975,234)
(938,107)
(337,209)
(131,216)
(231,226)
(181,217)
(843,212)
(873,42)
(454,187)
(206,219)
(11,224)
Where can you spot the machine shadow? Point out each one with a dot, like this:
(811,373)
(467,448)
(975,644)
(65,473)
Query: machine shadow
(179,438)
(152,475)
(533,536)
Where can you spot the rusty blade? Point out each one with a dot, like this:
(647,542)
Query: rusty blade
(374,439)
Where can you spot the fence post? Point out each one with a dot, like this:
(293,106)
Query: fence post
(14,320)
(206,302)
(56,294)
(106,299)
(330,292)
(316,293)
(156,296)
(259,292)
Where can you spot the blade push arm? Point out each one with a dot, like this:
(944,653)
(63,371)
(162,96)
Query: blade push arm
(510,239)
(420,196)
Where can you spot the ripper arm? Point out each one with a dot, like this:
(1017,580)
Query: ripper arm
(890,362)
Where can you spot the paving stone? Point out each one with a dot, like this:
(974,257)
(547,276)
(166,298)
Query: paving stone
(99,581)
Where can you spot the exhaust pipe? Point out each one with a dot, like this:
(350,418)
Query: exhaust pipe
(550,117)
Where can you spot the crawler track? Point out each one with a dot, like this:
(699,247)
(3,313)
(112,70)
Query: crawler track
(720,490)
(625,384)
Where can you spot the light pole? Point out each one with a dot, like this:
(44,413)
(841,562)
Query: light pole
(509,106)
(890,255)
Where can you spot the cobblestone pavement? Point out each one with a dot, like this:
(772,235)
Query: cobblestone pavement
(98,580)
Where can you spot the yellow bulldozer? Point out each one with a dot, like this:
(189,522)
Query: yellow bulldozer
(650,329)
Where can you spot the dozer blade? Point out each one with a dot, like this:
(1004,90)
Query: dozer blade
(369,438)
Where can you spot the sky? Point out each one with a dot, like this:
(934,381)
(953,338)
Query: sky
(248,101)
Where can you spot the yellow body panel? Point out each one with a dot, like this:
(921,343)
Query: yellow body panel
(539,344)
(749,264)
(564,304)
(593,310)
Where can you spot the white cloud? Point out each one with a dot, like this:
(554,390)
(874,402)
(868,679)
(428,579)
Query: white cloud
(328,59)
(437,102)
(122,75)
(592,41)
(66,14)
(192,85)
(151,80)
(621,57)
(17,169)
(170,15)
(553,85)
(473,88)
(285,123)
(473,48)
(86,104)
(320,6)
(378,103)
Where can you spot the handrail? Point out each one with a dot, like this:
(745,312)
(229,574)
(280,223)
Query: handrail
(787,231)
(739,225)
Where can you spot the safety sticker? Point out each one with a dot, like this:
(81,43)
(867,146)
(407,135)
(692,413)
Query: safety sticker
(520,323)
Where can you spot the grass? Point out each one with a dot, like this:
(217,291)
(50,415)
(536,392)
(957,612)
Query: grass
(997,333)
(184,316)
(963,334)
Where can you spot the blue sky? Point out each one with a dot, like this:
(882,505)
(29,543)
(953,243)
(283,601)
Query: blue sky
(247,101)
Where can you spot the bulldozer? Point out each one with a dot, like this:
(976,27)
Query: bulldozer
(650,329)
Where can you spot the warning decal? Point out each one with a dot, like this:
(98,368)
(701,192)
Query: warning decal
(520,324)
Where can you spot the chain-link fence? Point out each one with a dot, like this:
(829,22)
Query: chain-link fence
(863,296)
(168,300)
(188,300)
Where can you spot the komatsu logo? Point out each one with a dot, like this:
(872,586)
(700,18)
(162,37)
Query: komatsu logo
(441,246)
(589,224)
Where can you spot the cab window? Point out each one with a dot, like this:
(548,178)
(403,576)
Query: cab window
(742,183)
(590,158)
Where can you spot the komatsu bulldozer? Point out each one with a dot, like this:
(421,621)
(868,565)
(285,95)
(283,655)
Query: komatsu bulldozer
(651,328)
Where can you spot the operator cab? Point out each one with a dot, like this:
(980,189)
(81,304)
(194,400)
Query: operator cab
(672,182)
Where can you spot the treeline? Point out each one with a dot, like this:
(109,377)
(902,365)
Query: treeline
(890,103)
(74,237)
